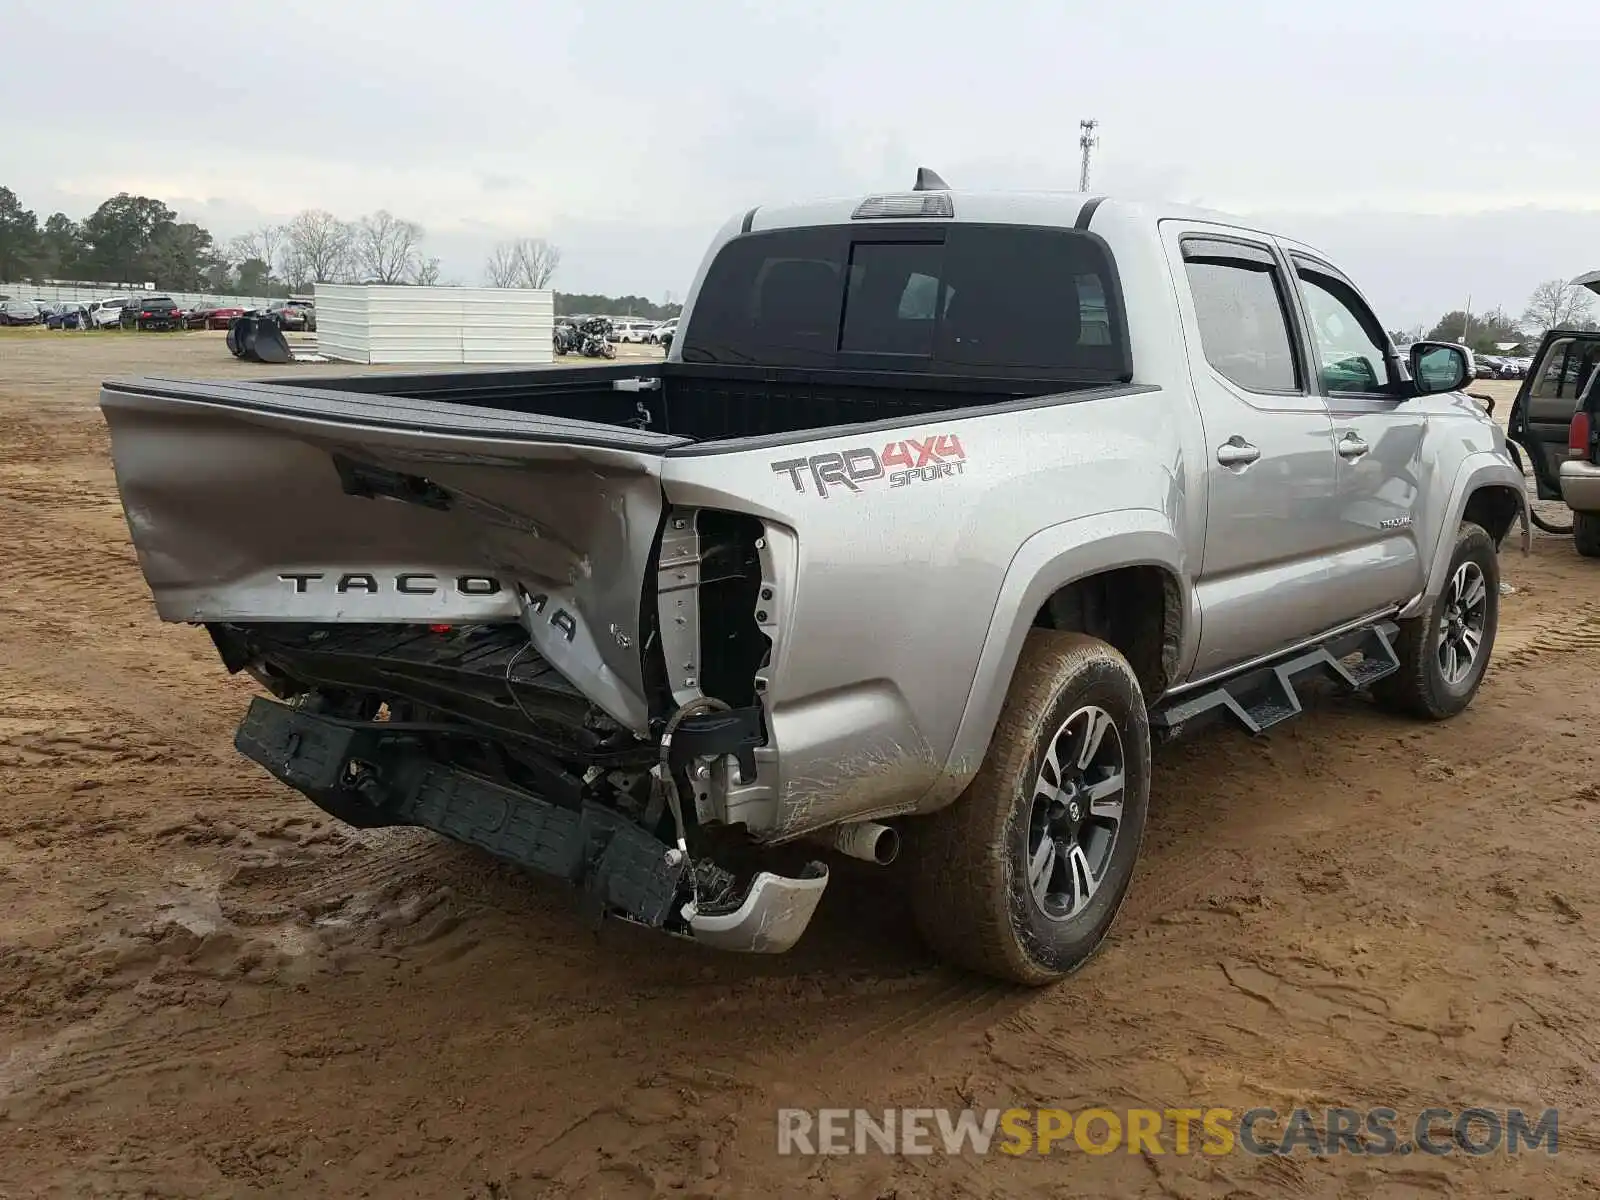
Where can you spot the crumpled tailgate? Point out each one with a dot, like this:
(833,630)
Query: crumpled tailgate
(249,502)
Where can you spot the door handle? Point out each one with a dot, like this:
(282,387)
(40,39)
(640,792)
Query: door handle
(1236,452)
(1352,445)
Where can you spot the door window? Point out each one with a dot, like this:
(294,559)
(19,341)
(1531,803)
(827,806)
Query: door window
(1241,307)
(1352,351)
(1567,368)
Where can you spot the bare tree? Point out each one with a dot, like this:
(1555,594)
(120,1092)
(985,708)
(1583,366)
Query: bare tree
(319,245)
(386,248)
(294,271)
(1557,304)
(524,263)
(501,269)
(263,244)
(426,272)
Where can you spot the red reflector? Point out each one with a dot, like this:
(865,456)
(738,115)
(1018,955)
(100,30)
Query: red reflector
(1578,436)
(439,628)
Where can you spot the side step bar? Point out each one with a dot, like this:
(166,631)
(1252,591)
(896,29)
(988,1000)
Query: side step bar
(1265,696)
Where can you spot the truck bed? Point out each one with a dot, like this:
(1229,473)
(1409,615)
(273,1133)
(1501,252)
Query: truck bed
(531,497)
(695,403)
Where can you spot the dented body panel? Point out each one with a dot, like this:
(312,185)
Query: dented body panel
(864,586)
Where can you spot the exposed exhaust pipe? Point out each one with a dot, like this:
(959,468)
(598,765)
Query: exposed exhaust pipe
(868,841)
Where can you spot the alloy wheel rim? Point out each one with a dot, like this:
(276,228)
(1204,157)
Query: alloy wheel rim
(1076,813)
(1461,625)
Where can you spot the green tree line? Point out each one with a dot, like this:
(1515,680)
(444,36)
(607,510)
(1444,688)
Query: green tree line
(569,303)
(135,240)
(1554,304)
(127,239)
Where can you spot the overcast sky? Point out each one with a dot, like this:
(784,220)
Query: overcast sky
(1436,147)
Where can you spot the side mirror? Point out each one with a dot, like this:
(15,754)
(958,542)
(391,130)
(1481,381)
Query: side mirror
(1438,367)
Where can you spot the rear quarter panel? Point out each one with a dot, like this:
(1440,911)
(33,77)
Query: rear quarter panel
(889,583)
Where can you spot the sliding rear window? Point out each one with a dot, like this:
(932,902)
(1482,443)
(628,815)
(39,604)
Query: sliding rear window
(982,300)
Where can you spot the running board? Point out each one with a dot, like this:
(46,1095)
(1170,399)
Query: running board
(1264,696)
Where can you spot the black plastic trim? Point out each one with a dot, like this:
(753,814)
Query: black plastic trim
(1086,213)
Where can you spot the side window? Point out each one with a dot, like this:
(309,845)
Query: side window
(1349,344)
(1240,303)
(1548,385)
(1567,369)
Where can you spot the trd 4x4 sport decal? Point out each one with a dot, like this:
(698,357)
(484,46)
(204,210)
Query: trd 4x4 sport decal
(911,461)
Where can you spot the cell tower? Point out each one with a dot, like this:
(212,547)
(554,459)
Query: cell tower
(1087,142)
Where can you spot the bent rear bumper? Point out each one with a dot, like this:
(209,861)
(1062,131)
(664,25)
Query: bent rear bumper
(1580,485)
(377,773)
(774,914)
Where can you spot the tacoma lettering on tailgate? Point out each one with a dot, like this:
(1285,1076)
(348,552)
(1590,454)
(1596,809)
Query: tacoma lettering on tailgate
(914,460)
(409,583)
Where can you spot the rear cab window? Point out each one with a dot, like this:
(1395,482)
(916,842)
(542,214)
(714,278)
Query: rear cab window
(986,301)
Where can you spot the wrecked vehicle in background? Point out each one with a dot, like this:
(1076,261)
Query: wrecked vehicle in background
(943,506)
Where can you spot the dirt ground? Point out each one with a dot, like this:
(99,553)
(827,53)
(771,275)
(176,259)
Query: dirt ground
(206,989)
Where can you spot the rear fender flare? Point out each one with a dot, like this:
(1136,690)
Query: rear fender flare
(1045,563)
(1484,469)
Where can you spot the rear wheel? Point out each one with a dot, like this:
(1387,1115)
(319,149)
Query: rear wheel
(1022,877)
(1444,653)
(1586,533)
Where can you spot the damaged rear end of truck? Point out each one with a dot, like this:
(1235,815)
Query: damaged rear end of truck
(463,616)
(620,624)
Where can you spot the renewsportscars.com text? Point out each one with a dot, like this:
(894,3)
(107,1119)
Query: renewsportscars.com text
(1208,1131)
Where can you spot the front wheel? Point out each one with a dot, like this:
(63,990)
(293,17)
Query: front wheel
(1022,877)
(1445,651)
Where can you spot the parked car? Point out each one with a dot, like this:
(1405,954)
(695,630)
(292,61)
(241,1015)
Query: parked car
(662,333)
(151,313)
(20,312)
(1543,424)
(751,614)
(1580,469)
(629,331)
(103,314)
(68,316)
(214,316)
(294,315)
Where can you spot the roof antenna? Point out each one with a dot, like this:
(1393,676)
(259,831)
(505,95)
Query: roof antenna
(929,181)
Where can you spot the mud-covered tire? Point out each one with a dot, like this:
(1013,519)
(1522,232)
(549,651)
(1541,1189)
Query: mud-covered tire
(1586,533)
(1421,687)
(972,895)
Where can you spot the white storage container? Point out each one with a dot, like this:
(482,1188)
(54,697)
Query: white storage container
(374,323)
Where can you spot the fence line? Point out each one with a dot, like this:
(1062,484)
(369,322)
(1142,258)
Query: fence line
(52,293)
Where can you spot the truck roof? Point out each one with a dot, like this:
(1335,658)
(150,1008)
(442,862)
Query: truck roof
(1061,210)
(1004,208)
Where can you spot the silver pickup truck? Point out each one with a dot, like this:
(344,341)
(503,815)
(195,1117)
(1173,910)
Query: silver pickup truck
(943,506)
